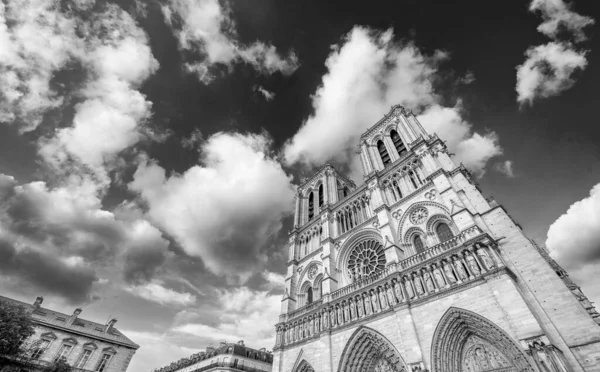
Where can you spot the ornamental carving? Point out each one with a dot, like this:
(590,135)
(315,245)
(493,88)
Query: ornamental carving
(312,272)
(365,259)
(419,215)
(431,194)
(397,214)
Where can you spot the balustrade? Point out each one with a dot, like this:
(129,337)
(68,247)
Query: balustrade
(400,283)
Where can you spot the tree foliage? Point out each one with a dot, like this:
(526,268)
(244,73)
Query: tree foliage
(59,366)
(16,326)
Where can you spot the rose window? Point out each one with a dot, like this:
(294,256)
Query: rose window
(419,215)
(365,259)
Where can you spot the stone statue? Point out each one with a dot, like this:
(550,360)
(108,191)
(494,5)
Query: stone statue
(485,257)
(374,301)
(439,278)
(317,323)
(325,320)
(419,284)
(473,265)
(398,291)
(461,270)
(367,304)
(449,273)
(360,306)
(382,298)
(340,315)
(429,283)
(409,288)
(333,318)
(346,313)
(390,296)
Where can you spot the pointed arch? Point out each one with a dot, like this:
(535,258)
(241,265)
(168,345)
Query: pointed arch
(459,329)
(383,153)
(367,349)
(301,364)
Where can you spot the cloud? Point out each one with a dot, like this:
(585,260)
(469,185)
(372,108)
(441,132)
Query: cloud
(225,209)
(155,291)
(574,238)
(157,349)
(111,117)
(193,141)
(205,29)
(558,16)
(505,168)
(52,230)
(36,40)
(265,93)
(548,71)
(367,74)
(245,315)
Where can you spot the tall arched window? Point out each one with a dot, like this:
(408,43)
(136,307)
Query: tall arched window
(418,243)
(346,191)
(398,144)
(311,207)
(385,157)
(443,232)
(309,296)
(321,195)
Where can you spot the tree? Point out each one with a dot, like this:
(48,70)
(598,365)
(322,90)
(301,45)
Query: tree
(16,326)
(59,366)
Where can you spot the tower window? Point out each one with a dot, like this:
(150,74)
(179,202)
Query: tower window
(443,232)
(398,144)
(311,206)
(321,195)
(418,243)
(385,157)
(346,192)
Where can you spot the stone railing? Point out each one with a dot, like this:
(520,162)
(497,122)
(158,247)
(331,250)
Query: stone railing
(405,282)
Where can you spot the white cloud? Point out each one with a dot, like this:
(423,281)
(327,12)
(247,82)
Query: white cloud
(246,315)
(548,71)
(574,238)
(265,93)
(36,40)
(225,210)
(367,74)
(155,291)
(505,168)
(556,15)
(111,117)
(205,28)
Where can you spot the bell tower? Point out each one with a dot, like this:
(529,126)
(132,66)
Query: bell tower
(415,270)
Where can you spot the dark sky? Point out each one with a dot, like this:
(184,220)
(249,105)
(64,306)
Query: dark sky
(174,213)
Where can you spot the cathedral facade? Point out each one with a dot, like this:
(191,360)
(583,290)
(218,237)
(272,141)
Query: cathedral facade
(415,270)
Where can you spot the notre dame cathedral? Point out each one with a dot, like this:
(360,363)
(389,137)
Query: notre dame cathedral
(415,270)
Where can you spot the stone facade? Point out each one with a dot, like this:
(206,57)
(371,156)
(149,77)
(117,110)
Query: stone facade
(226,357)
(415,270)
(84,345)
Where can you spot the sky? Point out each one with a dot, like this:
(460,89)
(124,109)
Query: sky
(150,150)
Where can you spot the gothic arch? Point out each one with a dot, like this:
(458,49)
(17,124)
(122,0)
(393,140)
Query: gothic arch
(431,207)
(457,333)
(436,219)
(303,277)
(369,350)
(411,232)
(303,366)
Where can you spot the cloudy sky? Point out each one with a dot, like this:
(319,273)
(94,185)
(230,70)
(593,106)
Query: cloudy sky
(149,149)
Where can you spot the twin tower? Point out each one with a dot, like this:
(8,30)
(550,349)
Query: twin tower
(415,270)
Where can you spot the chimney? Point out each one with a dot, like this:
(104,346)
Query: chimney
(222,343)
(109,326)
(38,301)
(241,342)
(73,317)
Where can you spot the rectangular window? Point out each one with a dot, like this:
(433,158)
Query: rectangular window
(40,348)
(103,362)
(85,356)
(63,353)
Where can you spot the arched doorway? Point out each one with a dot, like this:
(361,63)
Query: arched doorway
(467,342)
(369,351)
(304,366)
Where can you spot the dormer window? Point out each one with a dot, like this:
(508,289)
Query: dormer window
(385,157)
(398,144)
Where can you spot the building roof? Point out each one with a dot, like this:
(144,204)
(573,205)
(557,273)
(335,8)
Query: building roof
(228,348)
(70,323)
